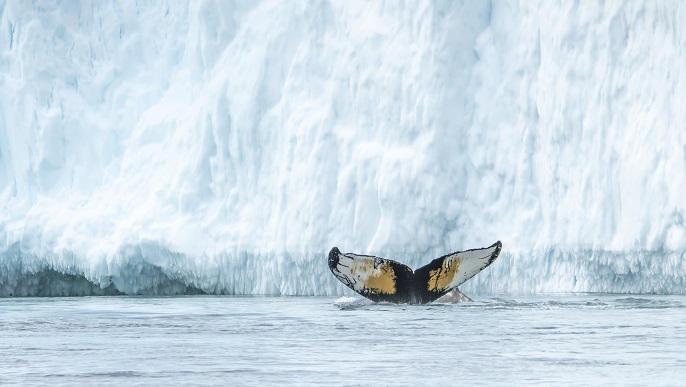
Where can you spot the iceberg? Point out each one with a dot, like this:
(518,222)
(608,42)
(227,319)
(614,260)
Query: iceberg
(224,147)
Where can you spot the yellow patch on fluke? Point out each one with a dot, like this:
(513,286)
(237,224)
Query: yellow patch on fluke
(441,278)
(377,280)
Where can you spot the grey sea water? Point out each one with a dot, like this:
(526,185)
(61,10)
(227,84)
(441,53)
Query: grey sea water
(576,339)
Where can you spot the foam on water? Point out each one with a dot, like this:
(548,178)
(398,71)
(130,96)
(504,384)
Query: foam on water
(225,147)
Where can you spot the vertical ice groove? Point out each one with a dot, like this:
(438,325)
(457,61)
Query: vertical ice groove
(225,147)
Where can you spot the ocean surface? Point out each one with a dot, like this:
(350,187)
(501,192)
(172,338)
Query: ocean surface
(567,339)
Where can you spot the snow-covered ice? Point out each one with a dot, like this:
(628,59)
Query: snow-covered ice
(225,147)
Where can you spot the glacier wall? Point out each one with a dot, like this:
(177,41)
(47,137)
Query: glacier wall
(225,147)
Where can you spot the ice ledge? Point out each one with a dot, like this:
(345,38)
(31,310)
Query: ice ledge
(168,273)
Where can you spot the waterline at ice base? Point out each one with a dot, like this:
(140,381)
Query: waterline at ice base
(225,148)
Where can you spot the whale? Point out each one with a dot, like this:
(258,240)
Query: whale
(386,280)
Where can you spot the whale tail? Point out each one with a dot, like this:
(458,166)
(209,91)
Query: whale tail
(380,279)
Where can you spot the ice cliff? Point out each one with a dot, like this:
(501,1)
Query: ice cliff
(225,147)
